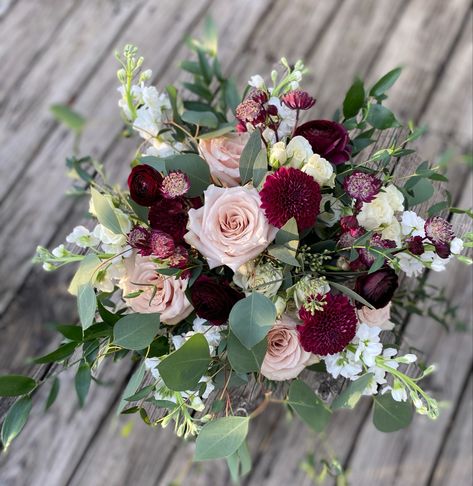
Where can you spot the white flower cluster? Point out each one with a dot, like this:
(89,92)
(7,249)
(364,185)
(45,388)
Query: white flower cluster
(199,326)
(264,278)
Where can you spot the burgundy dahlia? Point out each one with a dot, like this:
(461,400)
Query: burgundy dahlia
(415,245)
(145,183)
(259,96)
(362,186)
(329,139)
(291,193)
(170,216)
(175,184)
(378,287)
(298,100)
(329,330)
(213,299)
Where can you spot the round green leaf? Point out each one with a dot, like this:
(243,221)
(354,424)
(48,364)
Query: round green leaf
(183,368)
(352,393)
(389,415)
(15,420)
(380,117)
(221,438)
(15,385)
(244,360)
(136,331)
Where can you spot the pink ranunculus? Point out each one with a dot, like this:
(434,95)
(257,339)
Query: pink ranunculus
(162,294)
(285,358)
(223,156)
(376,317)
(230,228)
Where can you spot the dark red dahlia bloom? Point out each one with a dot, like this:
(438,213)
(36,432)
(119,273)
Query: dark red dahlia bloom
(213,299)
(298,100)
(328,139)
(362,186)
(328,331)
(175,184)
(378,287)
(291,193)
(145,183)
(415,245)
(170,216)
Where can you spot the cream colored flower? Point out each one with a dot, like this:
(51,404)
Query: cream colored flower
(298,151)
(264,278)
(277,155)
(320,169)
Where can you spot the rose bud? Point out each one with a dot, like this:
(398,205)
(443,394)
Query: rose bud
(328,139)
(145,183)
(378,287)
(213,299)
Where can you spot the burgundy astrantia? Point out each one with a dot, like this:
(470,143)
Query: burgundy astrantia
(175,184)
(329,330)
(214,298)
(440,232)
(329,139)
(376,241)
(291,193)
(151,242)
(377,288)
(298,100)
(144,183)
(170,216)
(250,111)
(362,186)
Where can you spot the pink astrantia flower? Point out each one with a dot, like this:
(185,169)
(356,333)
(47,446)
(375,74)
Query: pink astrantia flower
(291,193)
(440,232)
(298,100)
(362,186)
(175,184)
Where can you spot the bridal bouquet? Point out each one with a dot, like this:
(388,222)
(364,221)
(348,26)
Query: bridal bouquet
(253,243)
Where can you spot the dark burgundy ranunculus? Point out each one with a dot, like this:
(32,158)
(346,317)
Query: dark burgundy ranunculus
(415,245)
(329,139)
(213,299)
(145,183)
(170,216)
(378,287)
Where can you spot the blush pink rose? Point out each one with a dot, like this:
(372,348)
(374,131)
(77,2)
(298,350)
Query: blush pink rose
(230,228)
(285,358)
(376,317)
(223,156)
(161,294)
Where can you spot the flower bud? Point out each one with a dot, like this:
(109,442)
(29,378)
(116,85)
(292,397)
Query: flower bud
(277,155)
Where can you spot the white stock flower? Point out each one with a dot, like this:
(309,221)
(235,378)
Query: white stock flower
(320,169)
(150,116)
(60,251)
(395,197)
(265,278)
(343,364)
(380,212)
(82,237)
(368,344)
(456,246)
(106,279)
(298,152)
(409,264)
(288,117)
(412,224)
(210,332)
(256,81)
(434,262)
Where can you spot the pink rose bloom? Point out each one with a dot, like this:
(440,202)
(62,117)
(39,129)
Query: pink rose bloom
(376,317)
(285,358)
(223,156)
(161,294)
(230,228)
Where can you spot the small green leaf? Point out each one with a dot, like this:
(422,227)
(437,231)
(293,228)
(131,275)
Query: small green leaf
(86,305)
(74,333)
(230,94)
(243,360)
(135,331)
(132,386)
(384,83)
(85,273)
(352,394)
(59,354)
(248,156)
(222,130)
(183,369)
(195,168)
(201,118)
(105,212)
(378,263)
(389,415)
(381,118)
(351,293)
(15,385)
(70,118)
(260,167)
(221,438)
(15,420)
(354,99)
(284,255)
(308,406)
(53,393)
(156,163)
(82,382)
(251,318)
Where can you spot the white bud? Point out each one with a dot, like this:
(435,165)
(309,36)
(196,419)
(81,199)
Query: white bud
(277,155)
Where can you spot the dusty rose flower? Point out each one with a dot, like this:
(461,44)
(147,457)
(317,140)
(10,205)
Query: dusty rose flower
(285,358)
(376,317)
(230,228)
(159,293)
(223,156)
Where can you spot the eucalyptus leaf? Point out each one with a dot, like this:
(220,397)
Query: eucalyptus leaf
(15,420)
(201,118)
(85,273)
(86,304)
(195,168)
(53,393)
(243,360)
(135,331)
(260,167)
(381,117)
(351,293)
(390,415)
(248,156)
(59,354)
(70,118)
(82,382)
(354,99)
(15,385)
(221,130)
(351,395)
(157,163)
(131,387)
(105,212)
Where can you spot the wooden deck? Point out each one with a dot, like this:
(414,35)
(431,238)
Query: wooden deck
(62,51)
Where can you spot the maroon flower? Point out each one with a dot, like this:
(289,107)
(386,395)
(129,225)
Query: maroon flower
(250,111)
(349,223)
(161,244)
(259,96)
(138,237)
(291,193)
(175,184)
(328,139)
(378,287)
(213,299)
(376,241)
(170,216)
(298,100)
(144,183)
(362,186)
(180,258)
(440,232)
(329,330)
(415,245)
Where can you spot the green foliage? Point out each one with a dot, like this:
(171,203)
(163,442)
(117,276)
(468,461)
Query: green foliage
(221,438)
(135,331)
(53,393)
(195,168)
(381,118)
(385,82)
(239,463)
(243,360)
(251,318)
(16,385)
(389,415)
(260,167)
(248,157)
(308,406)
(351,395)
(354,99)
(85,273)
(105,212)
(286,244)
(59,354)
(86,304)
(70,118)
(82,382)
(15,420)
(200,118)
(183,369)
(131,387)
